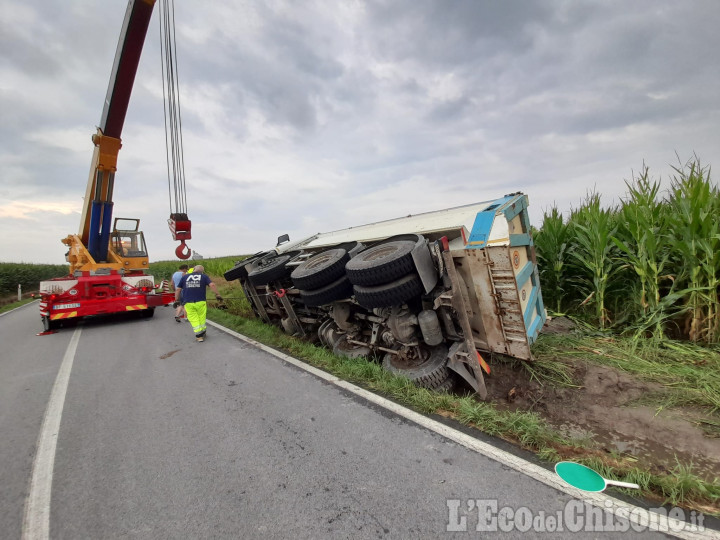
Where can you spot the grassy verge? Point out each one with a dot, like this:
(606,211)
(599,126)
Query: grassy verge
(689,374)
(525,429)
(13,305)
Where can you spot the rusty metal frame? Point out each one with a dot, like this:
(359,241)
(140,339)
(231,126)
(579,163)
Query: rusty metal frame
(291,313)
(459,300)
(255,298)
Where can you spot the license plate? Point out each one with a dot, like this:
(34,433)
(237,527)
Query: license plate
(65,306)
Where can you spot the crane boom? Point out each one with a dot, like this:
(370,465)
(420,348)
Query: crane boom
(127,59)
(96,217)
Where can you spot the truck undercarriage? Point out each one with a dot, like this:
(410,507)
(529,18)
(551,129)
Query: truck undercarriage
(427,295)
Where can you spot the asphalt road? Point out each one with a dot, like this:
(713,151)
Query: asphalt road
(163,437)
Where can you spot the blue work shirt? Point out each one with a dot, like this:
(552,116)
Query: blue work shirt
(176,277)
(194,287)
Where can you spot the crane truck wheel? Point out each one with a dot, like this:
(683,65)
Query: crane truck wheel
(432,373)
(269,270)
(320,270)
(381,264)
(390,294)
(337,290)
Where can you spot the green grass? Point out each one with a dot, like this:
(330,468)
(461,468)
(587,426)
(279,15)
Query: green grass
(690,374)
(13,305)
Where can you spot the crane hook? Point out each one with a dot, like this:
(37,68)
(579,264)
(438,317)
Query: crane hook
(183,251)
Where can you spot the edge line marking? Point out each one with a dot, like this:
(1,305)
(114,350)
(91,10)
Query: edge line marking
(36,520)
(610,504)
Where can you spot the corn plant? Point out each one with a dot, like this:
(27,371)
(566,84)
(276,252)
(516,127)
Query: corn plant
(593,253)
(642,241)
(552,242)
(218,266)
(694,209)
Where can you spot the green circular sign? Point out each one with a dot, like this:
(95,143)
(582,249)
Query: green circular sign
(580,476)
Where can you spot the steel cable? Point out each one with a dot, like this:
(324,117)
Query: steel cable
(171,110)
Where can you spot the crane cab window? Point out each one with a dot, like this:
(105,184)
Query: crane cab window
(129,243)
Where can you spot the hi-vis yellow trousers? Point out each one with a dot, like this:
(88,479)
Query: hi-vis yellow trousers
(196,314)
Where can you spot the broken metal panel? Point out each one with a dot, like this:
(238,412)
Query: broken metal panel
(461,304)
(457,361)
(424,266)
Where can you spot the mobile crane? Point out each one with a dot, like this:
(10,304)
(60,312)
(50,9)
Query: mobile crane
(109,260)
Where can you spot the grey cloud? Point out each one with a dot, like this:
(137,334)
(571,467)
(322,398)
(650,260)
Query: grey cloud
(450,33)
(354,93)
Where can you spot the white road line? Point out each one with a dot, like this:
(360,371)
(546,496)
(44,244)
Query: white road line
(617,507)
(36,523)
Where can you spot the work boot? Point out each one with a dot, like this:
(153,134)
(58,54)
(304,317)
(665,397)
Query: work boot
(199,338)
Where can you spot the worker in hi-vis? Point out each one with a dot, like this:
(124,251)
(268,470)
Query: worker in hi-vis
(193,287)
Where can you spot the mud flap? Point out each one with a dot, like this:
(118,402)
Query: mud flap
(458,361)
(462,355)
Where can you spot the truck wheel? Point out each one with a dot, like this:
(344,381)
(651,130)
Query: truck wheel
(240,271)
(350,350)
(390,294)
(431,373)
(270,270)
(337,290)
(381,264)
(320,270)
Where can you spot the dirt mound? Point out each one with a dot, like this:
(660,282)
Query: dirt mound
(602,412)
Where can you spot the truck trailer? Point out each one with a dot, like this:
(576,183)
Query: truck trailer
(431,294)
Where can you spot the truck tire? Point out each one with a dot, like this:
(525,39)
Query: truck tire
(433,373)
(239,271)
(337,290)
(270,270)
(320,270)
(381,264)
(395,293)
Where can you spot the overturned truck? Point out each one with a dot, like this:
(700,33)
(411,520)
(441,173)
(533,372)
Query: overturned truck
(429,294)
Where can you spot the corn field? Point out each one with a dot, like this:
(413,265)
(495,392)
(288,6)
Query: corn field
(215,267)
(649,266)
(27,275)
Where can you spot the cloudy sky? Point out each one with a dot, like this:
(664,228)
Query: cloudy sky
(309,116)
